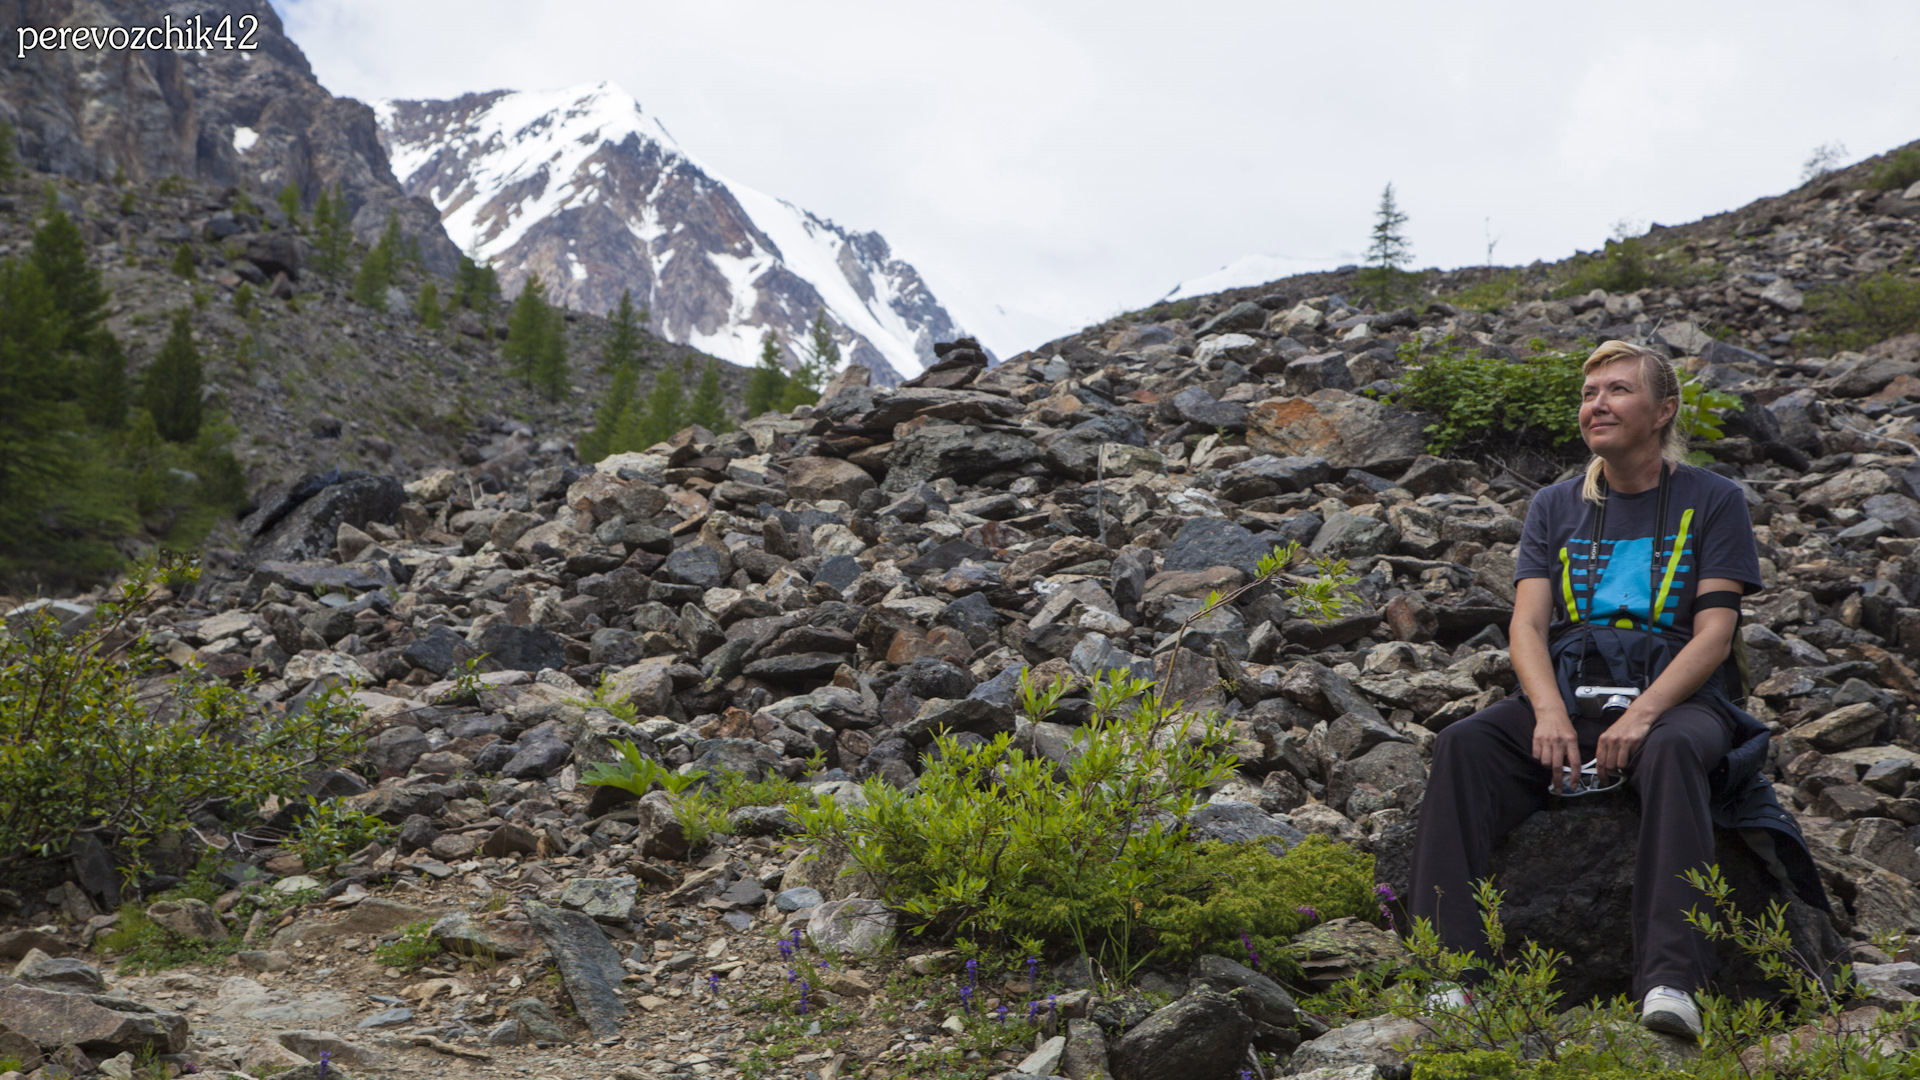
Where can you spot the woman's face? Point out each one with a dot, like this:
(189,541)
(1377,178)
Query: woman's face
(1617,412)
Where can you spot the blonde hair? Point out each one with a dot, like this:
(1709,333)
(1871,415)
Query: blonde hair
(1657,375)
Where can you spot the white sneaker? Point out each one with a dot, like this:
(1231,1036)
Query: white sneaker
(1671,1012)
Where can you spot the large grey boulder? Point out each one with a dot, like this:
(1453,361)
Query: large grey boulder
(1203,1036)
(1567,873)
(589,966)
(301,522)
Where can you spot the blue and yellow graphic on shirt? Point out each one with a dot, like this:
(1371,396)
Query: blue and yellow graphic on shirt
(1623,593)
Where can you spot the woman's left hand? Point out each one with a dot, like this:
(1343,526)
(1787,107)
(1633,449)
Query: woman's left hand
(1622,738)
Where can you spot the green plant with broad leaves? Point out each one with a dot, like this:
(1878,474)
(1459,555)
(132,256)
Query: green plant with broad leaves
(636,773)
(84,752)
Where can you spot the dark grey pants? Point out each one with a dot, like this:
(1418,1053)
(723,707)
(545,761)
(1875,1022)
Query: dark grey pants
(1485,782)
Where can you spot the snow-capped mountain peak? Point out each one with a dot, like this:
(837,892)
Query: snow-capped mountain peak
(586,188)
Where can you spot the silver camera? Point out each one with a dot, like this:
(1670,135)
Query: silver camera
(1604,702)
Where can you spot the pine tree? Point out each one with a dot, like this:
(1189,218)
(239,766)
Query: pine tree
(527,331)
(768,382)
(709,407)
(1390,247)
(1384,280)
(182,265)
(550,365)
(821,360)
(332,234)
(9,163)
(614,422)
(31,421)
(171,389)
(289,200)
(103,383)
(665,412)
(376,270)
(61,258)
(427,306)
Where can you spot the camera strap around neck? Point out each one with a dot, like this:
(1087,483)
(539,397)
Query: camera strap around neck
(1653,570)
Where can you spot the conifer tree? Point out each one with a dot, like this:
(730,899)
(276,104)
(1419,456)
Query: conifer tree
(171,390)
(103,383)
(182,265)
(60,256)
(550,364)
(31,421)
(665,411)
(527,331)
(427,306)
(1385,280)
(614,421)
(376,270)
(821,360)
(709,407)
(1389,247)
(768,382)
(9,163)
(289,200)
(332,232)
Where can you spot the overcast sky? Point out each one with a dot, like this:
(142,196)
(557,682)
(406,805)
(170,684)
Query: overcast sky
(1047,165)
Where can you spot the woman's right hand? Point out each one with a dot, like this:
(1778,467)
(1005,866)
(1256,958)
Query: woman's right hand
(1555,744)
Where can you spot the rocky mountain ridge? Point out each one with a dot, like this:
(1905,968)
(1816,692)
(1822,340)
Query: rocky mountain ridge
(223,116)
(591,192)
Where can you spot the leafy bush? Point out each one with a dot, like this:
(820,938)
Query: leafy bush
(1496,292)
(141,945)
(332,830)
(80,753)
(411,950)
(1010,847)
(1477,399)
(1899,170)
(1480,399)
(1627,264)
(636,773)
(1864,312)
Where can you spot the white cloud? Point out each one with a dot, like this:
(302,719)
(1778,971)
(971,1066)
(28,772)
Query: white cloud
(1050,164)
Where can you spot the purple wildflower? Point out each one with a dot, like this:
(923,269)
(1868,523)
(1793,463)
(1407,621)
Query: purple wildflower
(1001,1014)
(1385,892)
(326,1060)
(1053,1005)
(1309,912)
(1246,1074)
(1388,915)
(796,939)
(1253,958)
(973,973)
(966,999)
(786,950)
(1033,1010)
(805,992)
(793,977)
(713,984)
(1033,969)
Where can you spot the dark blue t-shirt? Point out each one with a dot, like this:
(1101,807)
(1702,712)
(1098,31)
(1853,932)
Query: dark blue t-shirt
(1707,523)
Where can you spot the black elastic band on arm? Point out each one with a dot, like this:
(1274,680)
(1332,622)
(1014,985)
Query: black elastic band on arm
(1725,598)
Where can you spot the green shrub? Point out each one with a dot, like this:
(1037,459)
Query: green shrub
(1007,847)
(243,299)
(331,830)
(1627,264)
(1477,399)
(636,773)
(1900,170)
(1864,312)
(182,264)
(82,753)
(1492,294)
(411,950)
(141,945)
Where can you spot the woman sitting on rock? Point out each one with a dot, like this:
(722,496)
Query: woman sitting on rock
(1628,578)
